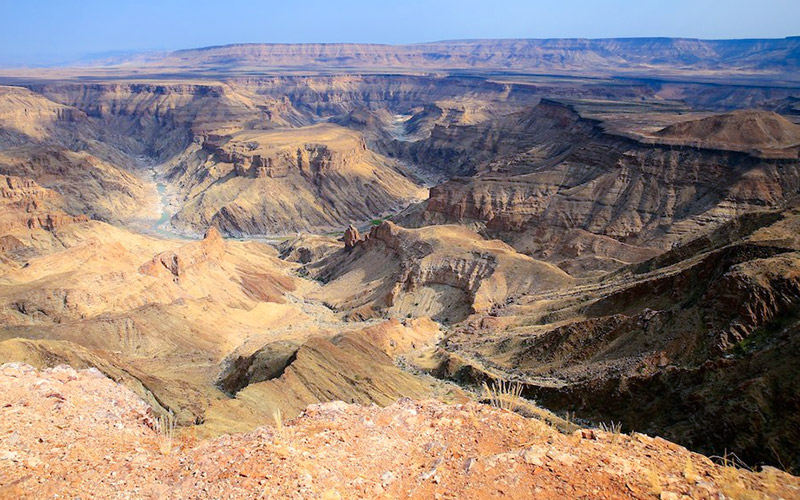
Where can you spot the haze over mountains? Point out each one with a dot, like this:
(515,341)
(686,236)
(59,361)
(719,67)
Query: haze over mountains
(777,59)
(235,233)
(565,54)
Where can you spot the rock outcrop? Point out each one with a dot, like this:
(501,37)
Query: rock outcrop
(176,262)
(286,379)
(409,449)
(288,180)
(351,237)
(308,248)
(445,272)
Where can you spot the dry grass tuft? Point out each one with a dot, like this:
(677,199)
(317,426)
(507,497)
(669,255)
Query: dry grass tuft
(615,429)
(503,394)
(689,472)
(280,430)
(166,431)
(731,482)
(655,482)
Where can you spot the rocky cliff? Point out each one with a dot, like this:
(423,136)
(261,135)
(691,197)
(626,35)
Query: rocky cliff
(28,206)
(286,180)
(704,323)
(159,120)
(445,272)
(87,184)
(26,115)
(199,133)
(552,195)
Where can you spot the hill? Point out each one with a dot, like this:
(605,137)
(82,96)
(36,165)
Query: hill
(742,128)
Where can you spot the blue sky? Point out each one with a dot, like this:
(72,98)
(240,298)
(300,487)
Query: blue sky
(51,31)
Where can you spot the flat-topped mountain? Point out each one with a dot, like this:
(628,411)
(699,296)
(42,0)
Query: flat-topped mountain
(606,55)
(278,181)
(746,59)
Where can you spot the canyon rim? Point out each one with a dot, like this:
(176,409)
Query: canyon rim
(485,267)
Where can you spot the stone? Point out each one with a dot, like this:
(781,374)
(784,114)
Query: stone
(351,237)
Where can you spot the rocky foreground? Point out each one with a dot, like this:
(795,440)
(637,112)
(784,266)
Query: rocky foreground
(77,434)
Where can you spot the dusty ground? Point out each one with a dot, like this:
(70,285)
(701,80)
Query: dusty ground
(77,434)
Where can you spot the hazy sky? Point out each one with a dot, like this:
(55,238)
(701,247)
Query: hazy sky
(48,31)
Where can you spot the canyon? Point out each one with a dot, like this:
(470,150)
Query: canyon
(364,239)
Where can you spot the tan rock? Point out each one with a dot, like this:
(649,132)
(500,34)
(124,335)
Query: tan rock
(351,237)
(442,272)
(176,262)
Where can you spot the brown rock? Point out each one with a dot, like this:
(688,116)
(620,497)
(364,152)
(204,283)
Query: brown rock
(176,262)
(351,237)
(441,272)
(622,203)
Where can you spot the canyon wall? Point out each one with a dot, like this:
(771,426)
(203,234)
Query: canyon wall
(569,186)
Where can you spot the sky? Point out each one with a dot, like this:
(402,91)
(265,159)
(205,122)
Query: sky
(40,32)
